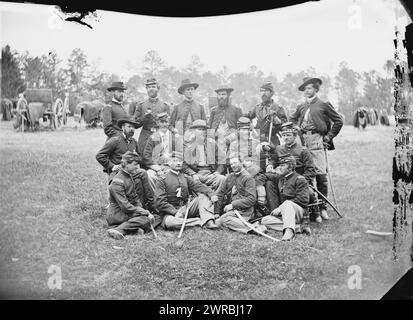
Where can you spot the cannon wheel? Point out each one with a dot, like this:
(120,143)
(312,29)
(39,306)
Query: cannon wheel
(21,111)
(58,113)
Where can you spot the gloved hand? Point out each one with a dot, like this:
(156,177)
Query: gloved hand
(228,207)
(214,199)
(276,212)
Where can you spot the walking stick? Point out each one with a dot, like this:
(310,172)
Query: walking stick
(252,227)
(267,160)
(185,218)
(329,178)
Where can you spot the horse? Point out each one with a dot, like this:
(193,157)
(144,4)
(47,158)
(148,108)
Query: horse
(89,112)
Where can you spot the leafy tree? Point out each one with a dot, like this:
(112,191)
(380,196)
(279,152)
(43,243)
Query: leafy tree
(11,79)
(153,64)
(77,63)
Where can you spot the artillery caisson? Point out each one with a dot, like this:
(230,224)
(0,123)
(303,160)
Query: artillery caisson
(36,104)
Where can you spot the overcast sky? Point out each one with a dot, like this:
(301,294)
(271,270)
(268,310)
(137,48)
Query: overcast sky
(318,34)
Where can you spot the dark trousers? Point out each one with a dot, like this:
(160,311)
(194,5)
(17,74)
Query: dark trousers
(139,222)
(143,138)
(271,186)
(322,186)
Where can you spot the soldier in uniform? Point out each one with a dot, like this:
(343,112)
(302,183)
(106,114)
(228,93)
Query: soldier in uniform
(249,151)
(114,111)
(110,155)
(125,213)
(314,118)
(304,165)
(159,147)
(206,161)
(292,197)
(172,192)
(265,111)
(223,118)
(188,110)
(238,192)
(146,112)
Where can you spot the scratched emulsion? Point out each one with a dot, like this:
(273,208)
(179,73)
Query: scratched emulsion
(78,14)
(402,161)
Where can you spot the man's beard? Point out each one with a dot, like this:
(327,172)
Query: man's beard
(129,135)
(223,102)
(265,99)
(152,94)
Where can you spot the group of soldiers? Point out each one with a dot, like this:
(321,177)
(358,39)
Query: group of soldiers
(187,171)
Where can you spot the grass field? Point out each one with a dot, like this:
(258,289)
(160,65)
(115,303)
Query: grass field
(53,194)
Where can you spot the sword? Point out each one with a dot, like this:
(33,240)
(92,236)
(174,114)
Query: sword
(326,200)
(185,218)
(252,227)
(329,179)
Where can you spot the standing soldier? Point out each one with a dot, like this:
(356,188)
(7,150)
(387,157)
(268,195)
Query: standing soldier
(146,112)
(236,193)
(268,113)
(188,110)
(314,118)
(172,193)
(114,111)
(125,214)
(205,159)
(292,196)
(224,117)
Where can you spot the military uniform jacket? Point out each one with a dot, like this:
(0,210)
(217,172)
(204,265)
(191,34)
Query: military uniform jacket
(153,152)
(181,112)
(322,113)
(231,114)
(293,187)
(172,192)
(147,122)
(246,194)
(124,202)
(110,115)
(304,162)
(215,158)
(113,150)
(260,112)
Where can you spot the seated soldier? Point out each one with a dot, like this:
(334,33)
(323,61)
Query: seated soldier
(125,214)
(304,165)
(291,198)
(238,192)
(159,147)
(206,162)
(110,155)
(172,193)
(249,151)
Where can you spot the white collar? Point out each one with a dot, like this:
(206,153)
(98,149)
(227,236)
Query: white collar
(173,171)
(309,100)
(116,101)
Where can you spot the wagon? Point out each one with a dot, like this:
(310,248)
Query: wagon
(34,104)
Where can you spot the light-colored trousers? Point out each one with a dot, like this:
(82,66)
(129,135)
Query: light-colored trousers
(211,180)
(231,221)
(291,216)
(200,212)
(314,143)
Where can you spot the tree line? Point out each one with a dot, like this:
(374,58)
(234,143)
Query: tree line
(83,79)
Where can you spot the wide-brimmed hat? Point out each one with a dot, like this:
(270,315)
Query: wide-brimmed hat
(127,120)
(308,80)
(151,81)
(117,85)
(186,83)
(224,88)
(199,124)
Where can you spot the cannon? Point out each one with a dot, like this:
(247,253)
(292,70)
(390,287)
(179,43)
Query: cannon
(35,104)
